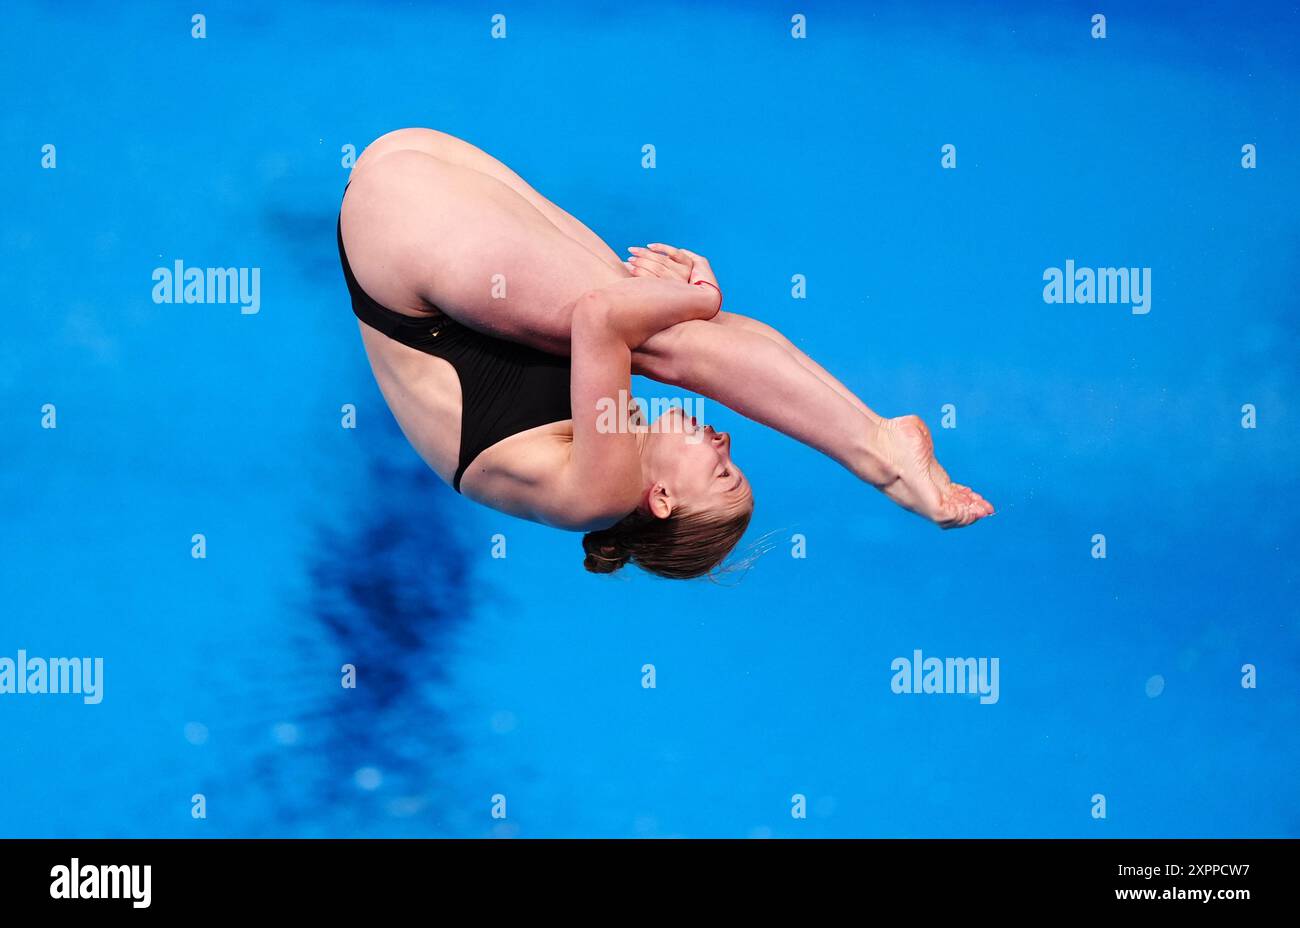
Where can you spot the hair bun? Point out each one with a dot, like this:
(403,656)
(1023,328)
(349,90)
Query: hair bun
(680,547)
(604,554)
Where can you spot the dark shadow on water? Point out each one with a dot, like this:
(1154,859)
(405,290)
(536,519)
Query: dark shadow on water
(309,238)
(388,593)
(383,585)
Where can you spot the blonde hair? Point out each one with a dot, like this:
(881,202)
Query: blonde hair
(681,547)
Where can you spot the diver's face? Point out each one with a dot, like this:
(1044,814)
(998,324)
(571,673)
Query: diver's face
(693,462)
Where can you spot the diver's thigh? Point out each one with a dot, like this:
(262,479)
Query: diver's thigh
(421,231)
(457,151)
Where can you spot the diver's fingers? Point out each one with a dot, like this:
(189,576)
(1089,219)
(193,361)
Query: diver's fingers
(676,254)
(655,262)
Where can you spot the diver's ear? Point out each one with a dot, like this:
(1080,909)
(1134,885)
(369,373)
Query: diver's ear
(659,501)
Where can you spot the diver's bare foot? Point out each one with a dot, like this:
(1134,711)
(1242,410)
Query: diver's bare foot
(919,484)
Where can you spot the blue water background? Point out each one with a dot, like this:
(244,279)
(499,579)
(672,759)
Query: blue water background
(522,676)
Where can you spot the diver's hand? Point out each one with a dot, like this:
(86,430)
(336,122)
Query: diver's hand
(662,261)
(669,263)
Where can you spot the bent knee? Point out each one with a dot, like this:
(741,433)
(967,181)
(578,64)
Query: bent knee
(426,141)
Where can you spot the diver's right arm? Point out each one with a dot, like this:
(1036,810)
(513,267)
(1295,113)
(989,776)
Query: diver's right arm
(602,481)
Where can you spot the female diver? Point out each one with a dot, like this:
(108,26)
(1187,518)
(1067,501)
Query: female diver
(500,330)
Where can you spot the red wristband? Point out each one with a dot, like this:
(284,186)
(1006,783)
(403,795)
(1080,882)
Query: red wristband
(715,287)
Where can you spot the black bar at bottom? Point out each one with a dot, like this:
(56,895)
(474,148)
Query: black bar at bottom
(333,876)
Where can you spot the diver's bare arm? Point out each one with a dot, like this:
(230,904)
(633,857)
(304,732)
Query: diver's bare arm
(762,380)
(603,479)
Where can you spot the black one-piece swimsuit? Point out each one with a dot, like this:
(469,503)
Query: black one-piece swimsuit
(506,388)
